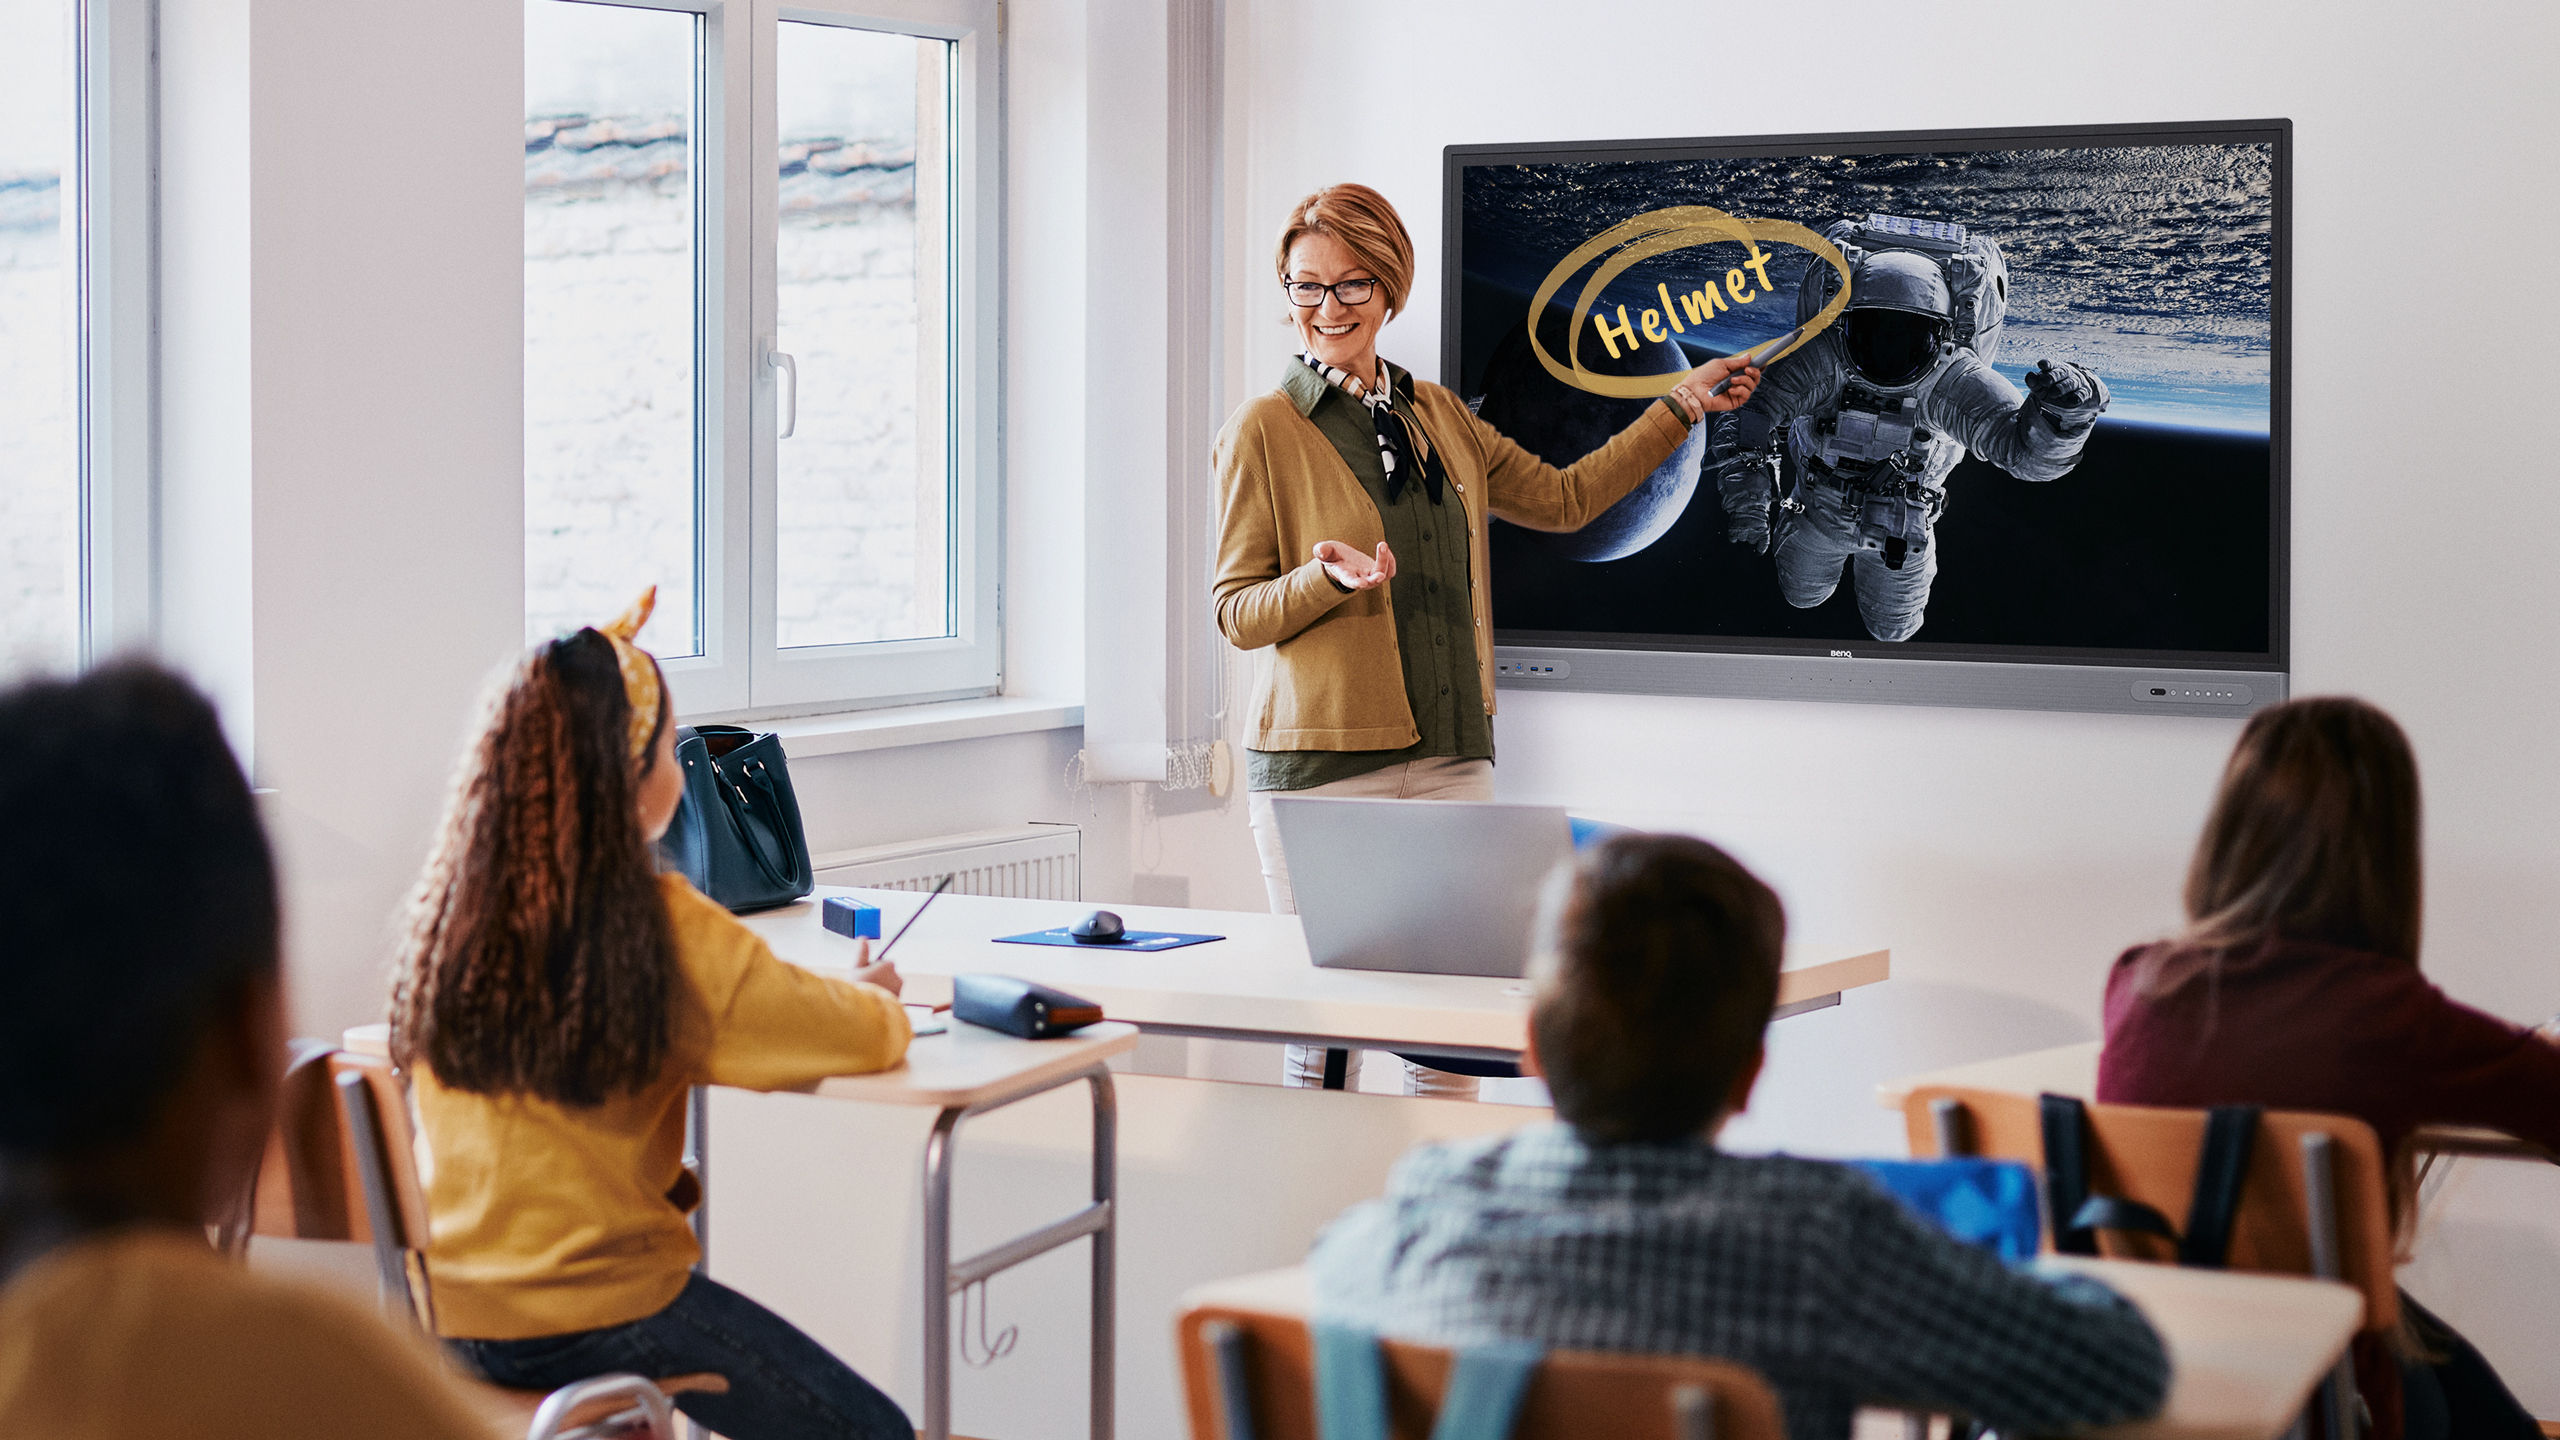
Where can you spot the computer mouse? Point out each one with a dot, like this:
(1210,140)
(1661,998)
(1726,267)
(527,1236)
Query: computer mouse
(1099,928)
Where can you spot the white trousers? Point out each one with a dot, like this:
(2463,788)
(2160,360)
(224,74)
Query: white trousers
(1438,779)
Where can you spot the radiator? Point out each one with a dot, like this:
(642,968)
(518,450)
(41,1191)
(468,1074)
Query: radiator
(1030,862)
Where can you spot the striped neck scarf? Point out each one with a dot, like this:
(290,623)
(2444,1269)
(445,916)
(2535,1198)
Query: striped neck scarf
(1401,448)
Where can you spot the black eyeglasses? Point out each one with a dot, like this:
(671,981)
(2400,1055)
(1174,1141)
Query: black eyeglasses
(1307,294)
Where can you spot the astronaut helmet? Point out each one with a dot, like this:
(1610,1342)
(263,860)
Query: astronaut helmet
(1899,316)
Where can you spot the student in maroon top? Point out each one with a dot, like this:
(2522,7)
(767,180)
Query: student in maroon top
(2296,986)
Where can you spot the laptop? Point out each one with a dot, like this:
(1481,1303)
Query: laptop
(1432,887)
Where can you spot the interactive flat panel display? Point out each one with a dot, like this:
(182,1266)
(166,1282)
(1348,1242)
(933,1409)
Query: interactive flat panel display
(2020,439)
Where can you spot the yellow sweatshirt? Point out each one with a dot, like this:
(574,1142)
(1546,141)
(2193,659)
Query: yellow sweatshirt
(550,1219)
(148,1334)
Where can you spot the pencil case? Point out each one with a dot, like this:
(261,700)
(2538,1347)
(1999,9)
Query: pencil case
(1018,1007)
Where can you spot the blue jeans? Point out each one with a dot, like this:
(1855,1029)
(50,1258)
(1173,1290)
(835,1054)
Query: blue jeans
(782,1384)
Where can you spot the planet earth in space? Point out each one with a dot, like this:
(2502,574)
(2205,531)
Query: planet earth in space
(1560,424)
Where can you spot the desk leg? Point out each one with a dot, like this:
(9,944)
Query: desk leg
(1098,1222)
(1106,1280)
(1337,1067)
(937,1277)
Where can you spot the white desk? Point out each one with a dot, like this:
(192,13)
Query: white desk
(968,1071)
(2244,1350)
(1257,984)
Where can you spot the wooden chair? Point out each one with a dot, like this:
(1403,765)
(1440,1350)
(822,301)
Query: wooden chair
(342,1166)
(2315,1200)
(1249,1374)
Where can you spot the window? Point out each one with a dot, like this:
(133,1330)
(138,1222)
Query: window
(609,333)
(74,336)
(760,342)
(39,342)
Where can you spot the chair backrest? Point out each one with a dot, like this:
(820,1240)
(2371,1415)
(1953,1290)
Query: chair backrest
(382,1155)
(371,1081)
(1262,1365)
(305,1187)
(2150,1153)
(342,1165)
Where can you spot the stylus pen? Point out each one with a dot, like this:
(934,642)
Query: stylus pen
(1757,357)
(912,919)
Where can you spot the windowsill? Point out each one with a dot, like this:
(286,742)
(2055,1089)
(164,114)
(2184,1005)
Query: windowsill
(853,731)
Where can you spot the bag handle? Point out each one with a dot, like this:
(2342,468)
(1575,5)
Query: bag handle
(2230,1132)
(1482,1402)
(2065,1122)
(751,828)
(2222,1167)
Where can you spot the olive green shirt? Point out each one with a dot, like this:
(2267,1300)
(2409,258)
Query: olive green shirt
(1434,615)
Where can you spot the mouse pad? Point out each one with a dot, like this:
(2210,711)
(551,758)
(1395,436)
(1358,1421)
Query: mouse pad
(1136,940)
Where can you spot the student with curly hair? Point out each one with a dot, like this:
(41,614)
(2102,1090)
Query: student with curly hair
(556,999)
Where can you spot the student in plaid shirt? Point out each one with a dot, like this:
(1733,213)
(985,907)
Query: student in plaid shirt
(1624,1228)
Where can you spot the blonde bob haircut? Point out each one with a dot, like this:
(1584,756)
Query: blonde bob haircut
(1366,225)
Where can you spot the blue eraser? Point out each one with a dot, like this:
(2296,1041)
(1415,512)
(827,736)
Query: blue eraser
(850,918)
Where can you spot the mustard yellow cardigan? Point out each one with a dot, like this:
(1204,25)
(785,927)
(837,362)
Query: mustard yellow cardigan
(1336,681)
(548,1218)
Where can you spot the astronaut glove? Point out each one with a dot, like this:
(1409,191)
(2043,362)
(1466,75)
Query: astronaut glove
(1751,530)
(2071,396)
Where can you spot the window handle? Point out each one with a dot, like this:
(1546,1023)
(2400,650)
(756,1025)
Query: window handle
(789,381)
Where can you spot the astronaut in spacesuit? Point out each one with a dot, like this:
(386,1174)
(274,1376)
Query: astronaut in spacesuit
(1868,419)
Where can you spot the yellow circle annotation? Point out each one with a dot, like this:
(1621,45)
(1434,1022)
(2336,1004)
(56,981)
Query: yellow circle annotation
(1660,232)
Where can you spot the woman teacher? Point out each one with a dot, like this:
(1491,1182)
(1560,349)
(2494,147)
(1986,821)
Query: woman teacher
(1351,541)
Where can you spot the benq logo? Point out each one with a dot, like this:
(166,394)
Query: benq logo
(1842,655)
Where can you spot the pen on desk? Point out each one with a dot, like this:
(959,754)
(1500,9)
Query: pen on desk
(883,956)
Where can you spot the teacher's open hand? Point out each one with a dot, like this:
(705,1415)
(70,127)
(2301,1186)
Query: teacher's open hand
(1353,570)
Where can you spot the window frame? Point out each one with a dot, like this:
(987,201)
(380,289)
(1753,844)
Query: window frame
(740,671)
(114,183)
(969,660)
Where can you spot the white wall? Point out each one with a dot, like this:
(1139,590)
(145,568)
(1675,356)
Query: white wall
(341,502)
(342,492)
(2007,858)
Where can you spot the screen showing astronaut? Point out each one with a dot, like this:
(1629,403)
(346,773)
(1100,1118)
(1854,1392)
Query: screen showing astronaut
(2019,398)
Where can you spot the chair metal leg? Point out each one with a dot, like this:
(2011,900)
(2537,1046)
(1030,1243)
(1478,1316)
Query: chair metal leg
(1947,1116)
(1693,1413)
(644,1395)
(697,1158)
(2328,1261)
(1106,1273)
(1235,1384)
(390,1262)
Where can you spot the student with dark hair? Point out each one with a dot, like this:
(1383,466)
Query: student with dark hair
(1625,1228)
(556,1000)
(2295,985)
(141,1045)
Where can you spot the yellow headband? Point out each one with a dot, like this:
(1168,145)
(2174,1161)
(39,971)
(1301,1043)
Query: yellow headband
(640,681)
